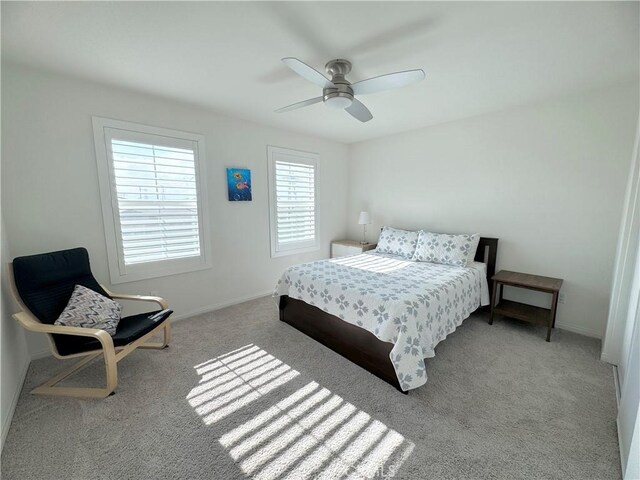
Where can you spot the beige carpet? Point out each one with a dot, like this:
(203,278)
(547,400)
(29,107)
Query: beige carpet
(241,395)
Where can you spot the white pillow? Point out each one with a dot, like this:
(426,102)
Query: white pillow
(397,242)
(89,309)
(458,250)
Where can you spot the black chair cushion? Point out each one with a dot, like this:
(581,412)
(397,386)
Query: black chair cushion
(46,281)
(129,329)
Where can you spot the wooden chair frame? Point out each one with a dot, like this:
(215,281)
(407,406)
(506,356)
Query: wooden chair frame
(112,355)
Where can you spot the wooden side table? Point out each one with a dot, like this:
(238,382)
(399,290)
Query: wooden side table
(341,248)
(522,311)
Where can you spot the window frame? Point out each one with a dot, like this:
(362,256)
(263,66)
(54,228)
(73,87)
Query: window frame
(300,156)
(118,271)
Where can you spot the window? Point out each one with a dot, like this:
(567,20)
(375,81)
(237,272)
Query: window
(152,199)
(293,188)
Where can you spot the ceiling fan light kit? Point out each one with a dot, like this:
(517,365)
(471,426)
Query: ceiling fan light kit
(338,100)
(339,93)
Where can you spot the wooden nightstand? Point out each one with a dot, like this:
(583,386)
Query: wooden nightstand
(340,248)
(522,311)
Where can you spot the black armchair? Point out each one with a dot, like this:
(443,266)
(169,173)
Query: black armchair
(43,284)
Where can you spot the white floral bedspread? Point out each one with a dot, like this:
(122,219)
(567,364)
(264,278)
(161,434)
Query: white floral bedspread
(413,305)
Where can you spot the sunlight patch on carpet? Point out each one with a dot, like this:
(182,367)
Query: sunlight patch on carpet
(310,433)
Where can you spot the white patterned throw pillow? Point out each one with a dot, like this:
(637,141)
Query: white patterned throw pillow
(89,309)
(397,242)
(458,250)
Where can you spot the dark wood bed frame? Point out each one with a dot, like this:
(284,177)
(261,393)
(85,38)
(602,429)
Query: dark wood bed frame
(355,343)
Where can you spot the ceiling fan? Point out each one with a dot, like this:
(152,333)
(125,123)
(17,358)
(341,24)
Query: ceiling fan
(340,92)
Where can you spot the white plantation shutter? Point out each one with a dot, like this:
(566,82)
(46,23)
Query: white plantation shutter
(293,182)
(295,202)
(155,203)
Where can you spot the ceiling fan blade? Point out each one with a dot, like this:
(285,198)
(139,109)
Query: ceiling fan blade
(358,111)
(295,106)
(387,82)
(307,72)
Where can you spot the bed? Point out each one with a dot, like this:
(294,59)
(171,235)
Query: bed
(382,312)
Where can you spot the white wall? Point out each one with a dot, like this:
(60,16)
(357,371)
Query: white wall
(13,353)
(50,186)
(548,180)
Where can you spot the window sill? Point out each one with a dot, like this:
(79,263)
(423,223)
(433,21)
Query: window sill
(295,251)
(166,271)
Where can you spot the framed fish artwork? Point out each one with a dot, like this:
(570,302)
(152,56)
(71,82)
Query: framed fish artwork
(239,184)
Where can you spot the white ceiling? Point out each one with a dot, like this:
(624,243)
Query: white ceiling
(479,57)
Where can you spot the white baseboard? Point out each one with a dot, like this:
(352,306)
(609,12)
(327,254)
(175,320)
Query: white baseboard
(623,457)
(616,381)
(41,354)
(176,318)
(604,357)
(579,329)
(6,422)
(245,298)
(217,306)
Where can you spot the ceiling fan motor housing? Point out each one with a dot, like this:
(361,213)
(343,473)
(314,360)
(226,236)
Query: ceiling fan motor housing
(342,95)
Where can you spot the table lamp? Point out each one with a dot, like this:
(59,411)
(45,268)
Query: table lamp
(364,219)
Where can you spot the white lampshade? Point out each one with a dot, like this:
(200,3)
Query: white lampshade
(364,218)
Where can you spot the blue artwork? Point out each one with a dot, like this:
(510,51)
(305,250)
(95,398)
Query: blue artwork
(239,184)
